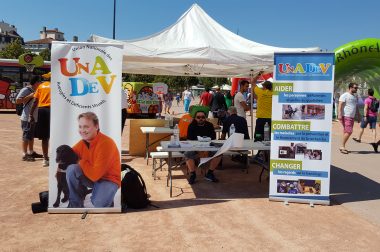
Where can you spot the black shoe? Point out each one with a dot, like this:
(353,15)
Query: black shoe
(211,177)
(36,155)
(192,178)
(375,146)
(28,158)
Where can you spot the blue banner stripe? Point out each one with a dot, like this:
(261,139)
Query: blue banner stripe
(304,136)
(302,97)
(301,173)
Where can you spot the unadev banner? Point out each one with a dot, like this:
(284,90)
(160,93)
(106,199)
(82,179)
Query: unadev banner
(301,127)
(85,135)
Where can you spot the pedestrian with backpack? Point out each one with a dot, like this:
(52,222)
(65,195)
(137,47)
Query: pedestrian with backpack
(25,99)
(371,107)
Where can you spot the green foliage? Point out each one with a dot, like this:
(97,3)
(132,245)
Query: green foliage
(46,54)
(213,81)
(13,50)
(177,83)
(174,82)
(139,77)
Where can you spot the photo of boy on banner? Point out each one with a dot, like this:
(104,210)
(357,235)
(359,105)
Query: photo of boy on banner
(98,167)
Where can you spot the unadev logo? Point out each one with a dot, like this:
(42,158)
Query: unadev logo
(81,86)
(299,68)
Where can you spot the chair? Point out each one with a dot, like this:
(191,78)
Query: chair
(159,159)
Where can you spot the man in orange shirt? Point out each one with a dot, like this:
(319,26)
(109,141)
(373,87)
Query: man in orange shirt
(42,101)
(98,168)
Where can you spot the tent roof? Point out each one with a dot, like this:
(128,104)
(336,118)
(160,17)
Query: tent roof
(197,45)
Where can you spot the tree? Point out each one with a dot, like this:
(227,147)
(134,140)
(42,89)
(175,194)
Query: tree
(139,78)
(46,54)
(13,50)
(212,81)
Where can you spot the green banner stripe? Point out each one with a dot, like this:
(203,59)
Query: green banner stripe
(282,87)
(291,125)
(285,164)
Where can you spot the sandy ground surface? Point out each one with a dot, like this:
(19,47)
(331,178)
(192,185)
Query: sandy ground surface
(233,215)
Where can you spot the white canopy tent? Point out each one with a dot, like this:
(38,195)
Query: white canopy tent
(196,45)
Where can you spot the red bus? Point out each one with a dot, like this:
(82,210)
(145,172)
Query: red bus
(13,77)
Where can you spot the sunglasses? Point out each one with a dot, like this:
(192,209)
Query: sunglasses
(200,117)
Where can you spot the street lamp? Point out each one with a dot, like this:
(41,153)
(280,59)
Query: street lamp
(114,17)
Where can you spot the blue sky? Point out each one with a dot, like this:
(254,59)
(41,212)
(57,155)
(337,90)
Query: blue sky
(293,23)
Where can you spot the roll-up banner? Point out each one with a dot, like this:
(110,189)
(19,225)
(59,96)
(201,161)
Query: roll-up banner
(85,135)
(301,127)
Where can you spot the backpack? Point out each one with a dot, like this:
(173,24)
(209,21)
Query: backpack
(133,190)
(374,107)
(20,107)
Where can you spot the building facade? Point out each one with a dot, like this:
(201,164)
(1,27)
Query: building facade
(46,38)
(8,34)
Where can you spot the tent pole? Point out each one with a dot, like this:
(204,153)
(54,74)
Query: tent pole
(251,106)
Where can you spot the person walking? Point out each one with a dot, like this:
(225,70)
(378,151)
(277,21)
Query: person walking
(205,98)
(347,109)
(187,96)
(25,97)
(168,101)
(371,107)
(178,98)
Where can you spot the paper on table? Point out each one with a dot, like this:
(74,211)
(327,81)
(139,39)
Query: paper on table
(204,139)
(184,144)
(235,140)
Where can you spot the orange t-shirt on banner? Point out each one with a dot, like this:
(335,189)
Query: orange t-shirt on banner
(43,94)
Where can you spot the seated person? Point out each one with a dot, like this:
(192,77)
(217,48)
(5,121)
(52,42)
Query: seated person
(239,122)
(200,127)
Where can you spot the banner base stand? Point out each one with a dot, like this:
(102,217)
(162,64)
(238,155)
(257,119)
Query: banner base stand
(84,211)
(311,202)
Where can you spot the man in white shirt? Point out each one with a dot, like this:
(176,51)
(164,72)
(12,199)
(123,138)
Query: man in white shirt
(239,100)
(347,109)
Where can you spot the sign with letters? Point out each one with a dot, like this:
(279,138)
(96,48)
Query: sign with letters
(300,155)
(85,137)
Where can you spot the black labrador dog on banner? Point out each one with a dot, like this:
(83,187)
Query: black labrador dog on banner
(65,157)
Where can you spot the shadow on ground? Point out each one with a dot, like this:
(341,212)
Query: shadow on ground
(171,204)
(352,187)
(234,182)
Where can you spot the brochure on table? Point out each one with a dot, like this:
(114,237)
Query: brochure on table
(301,127)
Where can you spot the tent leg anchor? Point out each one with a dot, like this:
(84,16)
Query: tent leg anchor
(84,215)
(311,204)
(286,203)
